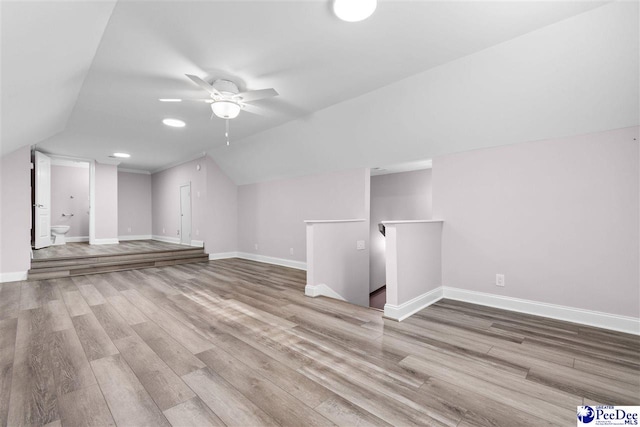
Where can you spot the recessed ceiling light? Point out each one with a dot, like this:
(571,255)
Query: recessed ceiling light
(354,10)
(174,123)
(122,155)
(170,100)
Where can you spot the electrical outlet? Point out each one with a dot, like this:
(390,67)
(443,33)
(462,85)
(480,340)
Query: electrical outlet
(178,232)
(290,251)
(128,229)
(163,232)
(499,279)
(360,245)
(256,246)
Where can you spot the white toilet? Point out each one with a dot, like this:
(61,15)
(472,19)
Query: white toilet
(57,234)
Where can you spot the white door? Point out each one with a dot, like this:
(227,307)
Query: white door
(42,211)
(185,214)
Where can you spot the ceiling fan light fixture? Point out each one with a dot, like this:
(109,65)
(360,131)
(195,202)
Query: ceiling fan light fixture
(225,109)
(354,10)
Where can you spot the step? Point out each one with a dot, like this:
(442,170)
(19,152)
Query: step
(78,262)
(112,257)
(48,273)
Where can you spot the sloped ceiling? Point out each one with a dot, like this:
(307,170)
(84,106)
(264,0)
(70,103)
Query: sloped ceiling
(337,81)
(47,48)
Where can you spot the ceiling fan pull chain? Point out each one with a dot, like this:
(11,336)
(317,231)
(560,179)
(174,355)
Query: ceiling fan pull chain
(226,132)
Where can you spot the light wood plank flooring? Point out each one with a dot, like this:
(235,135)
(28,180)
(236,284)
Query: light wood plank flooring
(236,343)
(84,249)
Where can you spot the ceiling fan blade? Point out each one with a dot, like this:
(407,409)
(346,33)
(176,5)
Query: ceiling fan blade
(252,109)
(208,101)
(254,95)
(204,85)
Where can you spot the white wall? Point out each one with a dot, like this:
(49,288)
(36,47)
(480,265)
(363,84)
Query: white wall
(15,214)
(558,217)
(214,204)
(134,204)
(396,196)
(106,202)
(222,211)
(413,266)
(271,214)
(165,199)
(335,266)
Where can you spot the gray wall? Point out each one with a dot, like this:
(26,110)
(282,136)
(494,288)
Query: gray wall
(559,218)
(134,204)
(272,213)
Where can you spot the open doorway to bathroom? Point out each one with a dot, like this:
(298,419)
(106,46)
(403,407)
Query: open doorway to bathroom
(61,189)
(398,193)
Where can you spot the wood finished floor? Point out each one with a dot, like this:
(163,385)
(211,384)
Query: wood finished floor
(236,343)
(84,249)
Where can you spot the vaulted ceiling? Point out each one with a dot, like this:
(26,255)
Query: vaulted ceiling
(83,78)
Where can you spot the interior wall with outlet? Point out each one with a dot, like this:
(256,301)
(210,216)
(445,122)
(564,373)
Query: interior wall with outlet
(340,260)
(394,197)
(70,196)
(271,214)
(165,199)
(559,218)
(134,204)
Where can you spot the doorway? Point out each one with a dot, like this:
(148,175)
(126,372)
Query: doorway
(63,192)
(185,214)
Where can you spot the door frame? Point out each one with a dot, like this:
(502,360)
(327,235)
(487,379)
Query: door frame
(92,190)
(187,184)
(38,193)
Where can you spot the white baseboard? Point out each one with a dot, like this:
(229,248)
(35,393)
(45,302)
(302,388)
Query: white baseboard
(406,309)
(223,255)
(15,276)
(138,237)
(105,241)
(166,239)
(176,241)
(321,290)
(630,325)
(299,265)
(76,239)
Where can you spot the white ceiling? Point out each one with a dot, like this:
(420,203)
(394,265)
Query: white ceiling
(46,51)
(143,49)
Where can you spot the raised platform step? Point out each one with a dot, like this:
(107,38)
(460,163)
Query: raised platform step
(51,268)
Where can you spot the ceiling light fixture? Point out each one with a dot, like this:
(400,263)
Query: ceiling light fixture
(122,155)
(170,100)
(225,109)
(174,123)
(354,10)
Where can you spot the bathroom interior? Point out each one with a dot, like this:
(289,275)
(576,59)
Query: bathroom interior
(69,201)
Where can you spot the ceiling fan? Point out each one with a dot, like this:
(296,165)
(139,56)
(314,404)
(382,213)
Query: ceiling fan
(227,101)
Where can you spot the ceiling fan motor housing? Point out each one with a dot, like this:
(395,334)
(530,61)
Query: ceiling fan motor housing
(225,87)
